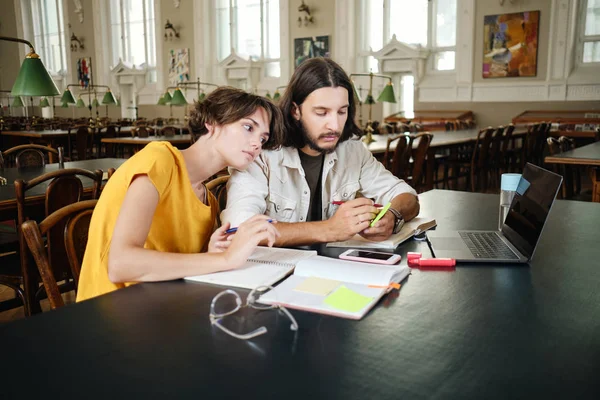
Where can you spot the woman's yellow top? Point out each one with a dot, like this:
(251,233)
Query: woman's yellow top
(182,223)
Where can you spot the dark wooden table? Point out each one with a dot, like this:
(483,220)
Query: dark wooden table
(588,156)
(480,332)
(137,143)
(8,202)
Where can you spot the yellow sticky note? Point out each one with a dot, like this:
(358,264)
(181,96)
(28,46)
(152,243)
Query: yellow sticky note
(318,286)
(345,299)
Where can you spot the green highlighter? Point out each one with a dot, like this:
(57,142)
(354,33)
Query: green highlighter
(378,217)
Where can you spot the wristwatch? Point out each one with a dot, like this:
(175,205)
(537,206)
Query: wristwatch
(399,222)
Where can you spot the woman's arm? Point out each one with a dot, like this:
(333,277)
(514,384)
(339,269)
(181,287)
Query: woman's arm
(129,261)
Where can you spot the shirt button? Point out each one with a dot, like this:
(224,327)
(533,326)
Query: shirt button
(345,194)
(305,192)
(301,218)
(277,207)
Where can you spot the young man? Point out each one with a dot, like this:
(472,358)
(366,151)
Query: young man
(321,161)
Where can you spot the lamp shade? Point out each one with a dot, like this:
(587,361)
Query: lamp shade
(201,97)
(64,105)
(67,97)
(369,99)
(388,94)
(118,102)
(80,103)
(167,97)
(109,98)
(269,95)
(277,95)
(161,101)
(34,79)
(178,98)
(356,93)
(95,102)
(44,102)
(17,102)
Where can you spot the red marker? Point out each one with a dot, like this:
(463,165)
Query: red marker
(339,203)
(415,261)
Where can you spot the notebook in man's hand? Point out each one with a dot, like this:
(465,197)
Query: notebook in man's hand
(410,228)
(266,266)
(336,287)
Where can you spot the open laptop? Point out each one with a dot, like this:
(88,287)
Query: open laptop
(521,231)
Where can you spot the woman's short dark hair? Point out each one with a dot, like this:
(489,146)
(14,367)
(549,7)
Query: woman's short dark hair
(226,105)
(312,74)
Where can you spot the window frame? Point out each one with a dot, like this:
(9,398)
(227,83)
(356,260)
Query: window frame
(126,39)
(233,34)
(582,38)
(363,52)
(42,47)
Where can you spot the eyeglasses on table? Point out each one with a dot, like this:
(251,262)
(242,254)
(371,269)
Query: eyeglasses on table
(220,308)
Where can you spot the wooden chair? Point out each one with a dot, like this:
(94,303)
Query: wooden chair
(218,188)
(74,220)
(141,131)
(168,131)
(398,161)
(83,141)
(65,188)
(28,155)
(419,155)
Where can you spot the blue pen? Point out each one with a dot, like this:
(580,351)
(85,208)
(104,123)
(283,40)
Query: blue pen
(234,230)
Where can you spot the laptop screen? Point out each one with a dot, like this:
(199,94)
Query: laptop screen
(530,207)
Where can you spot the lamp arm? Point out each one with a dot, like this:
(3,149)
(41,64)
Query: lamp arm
(12,39)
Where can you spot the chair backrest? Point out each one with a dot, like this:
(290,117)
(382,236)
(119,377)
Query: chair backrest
(28,155)
(482,148)
(76,217)
(142,131)
(508,132)
(168,131)
(82,141)
(218,188)
(398,161)
(419,155)
(65,188)
(553,146)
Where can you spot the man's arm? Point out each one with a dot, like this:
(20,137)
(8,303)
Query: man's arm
(351,218)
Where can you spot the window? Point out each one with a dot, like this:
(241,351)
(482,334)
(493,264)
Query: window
(251,28)
(591,32)
(431,24)
(132,32)
(48,31)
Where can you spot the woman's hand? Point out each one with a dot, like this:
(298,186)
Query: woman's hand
(248,236)
(219,240)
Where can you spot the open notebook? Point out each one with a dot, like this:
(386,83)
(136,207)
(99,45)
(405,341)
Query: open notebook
(410,228)
(336,287)
(264,267)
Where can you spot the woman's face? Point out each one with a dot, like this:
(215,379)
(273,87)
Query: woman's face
(240,142)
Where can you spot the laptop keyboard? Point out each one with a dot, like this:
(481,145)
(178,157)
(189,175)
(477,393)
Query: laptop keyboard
(487,245)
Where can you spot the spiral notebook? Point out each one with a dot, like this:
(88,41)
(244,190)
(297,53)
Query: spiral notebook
(264,267)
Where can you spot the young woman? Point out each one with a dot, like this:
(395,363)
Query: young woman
(155,219)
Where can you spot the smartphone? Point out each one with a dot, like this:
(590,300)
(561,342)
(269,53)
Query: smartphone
(371,256)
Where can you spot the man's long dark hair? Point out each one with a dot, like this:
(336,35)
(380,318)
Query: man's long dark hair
(313,74)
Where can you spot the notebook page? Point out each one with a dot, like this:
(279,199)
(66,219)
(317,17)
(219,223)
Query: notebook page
(278,255)
(349,271)
(264,267)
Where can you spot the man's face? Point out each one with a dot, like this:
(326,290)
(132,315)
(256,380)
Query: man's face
(322,117)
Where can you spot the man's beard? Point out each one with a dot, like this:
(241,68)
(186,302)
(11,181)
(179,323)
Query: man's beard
(313,144)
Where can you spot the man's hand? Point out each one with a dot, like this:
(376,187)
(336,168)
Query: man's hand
(382,229)
(352,217)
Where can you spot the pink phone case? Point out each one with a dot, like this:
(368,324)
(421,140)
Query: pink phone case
(394,258)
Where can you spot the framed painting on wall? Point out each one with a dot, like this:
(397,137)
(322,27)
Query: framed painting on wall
(309,47)
(510,44)
(179,66)
(84,71)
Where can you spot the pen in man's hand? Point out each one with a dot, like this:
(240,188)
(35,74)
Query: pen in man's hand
(234,230)
(339,203)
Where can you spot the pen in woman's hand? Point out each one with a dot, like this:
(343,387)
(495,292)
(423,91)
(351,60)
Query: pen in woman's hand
(234,230)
